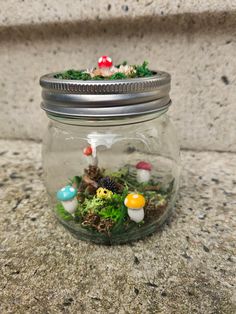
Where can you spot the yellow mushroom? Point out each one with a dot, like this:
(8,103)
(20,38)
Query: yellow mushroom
(135,203)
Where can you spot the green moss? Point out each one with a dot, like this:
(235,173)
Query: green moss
(116,211)
(98,78)
(112,213)
(76,180)
(73,75)
(94,205)
(141,71)
(62,213)
(118,76)
(121,173)
(113,210)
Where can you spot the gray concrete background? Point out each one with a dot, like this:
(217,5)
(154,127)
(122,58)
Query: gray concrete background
(194,41)
(18,12)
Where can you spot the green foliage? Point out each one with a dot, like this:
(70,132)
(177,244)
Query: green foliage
(127,178)
(98,78)
(143,70)
(121,173)
(118,76)
(75,180)
(62,213)
(94,205)
(73,75)
(112,208)
(118,199)
(115,209)
(112,213)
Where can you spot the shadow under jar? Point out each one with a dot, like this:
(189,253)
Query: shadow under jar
(110,156)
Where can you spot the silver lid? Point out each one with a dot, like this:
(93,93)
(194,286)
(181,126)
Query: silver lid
(105,98)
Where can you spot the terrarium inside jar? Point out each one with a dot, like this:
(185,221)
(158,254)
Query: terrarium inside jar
(110,157)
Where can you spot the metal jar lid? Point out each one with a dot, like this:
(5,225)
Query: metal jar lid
(105,98)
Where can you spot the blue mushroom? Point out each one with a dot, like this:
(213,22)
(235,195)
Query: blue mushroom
(67,196)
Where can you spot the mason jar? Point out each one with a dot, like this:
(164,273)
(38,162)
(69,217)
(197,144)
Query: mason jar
(110,156)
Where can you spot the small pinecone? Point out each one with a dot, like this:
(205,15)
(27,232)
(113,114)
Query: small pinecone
(91,219)
(109,184)
(93,172)
(105,225)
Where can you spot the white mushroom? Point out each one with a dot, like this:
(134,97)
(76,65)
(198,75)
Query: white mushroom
(91,159)
(143,171)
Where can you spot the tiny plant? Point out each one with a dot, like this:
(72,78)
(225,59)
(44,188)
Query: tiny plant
(120,73)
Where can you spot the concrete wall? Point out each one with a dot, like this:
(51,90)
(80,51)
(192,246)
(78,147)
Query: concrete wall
(194,41)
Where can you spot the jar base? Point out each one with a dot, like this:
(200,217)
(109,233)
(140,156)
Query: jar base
(135,234)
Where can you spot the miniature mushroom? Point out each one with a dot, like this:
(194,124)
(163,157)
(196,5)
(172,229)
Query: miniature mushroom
(88,152)
(67,196)
(143,171)
(135,203)
(105,64)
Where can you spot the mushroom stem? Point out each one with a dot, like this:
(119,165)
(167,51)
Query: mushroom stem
(92,160)
(70,205)
(136,215)
(143,175)
(90,153)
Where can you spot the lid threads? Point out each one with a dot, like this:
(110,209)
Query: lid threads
(105,98)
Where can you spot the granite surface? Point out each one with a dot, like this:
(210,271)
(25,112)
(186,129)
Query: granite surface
(187,267)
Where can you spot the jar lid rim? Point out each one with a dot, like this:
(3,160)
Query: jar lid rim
(125,86)
(105,98)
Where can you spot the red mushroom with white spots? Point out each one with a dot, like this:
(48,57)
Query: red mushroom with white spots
(143,171)
(105,65)
(105,62)
(88,152)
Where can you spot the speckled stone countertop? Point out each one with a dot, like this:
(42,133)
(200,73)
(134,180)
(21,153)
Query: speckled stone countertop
(187,267)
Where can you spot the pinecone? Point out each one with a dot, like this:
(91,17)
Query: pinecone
(93,172)
(109,184)
(91,220)
(105,225)
(95,221)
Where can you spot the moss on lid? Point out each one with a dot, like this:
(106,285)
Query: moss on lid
(118,72)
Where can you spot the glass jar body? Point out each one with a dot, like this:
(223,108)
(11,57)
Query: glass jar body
(124,174)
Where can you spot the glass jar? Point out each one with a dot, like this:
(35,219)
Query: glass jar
(110,156)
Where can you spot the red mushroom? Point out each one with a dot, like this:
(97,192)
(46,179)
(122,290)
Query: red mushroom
(143,171)
(88,152)
(104,62)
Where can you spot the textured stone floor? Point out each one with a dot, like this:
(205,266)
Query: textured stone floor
(187,267)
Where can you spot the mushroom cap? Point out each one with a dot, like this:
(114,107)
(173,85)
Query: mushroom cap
(88,151)
(135,201)
(66,193)
(104,62)
(144,165)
